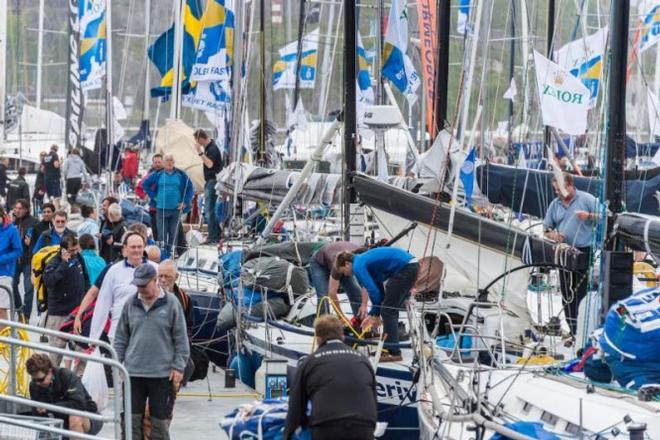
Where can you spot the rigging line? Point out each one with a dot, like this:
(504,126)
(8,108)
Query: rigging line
(125,52)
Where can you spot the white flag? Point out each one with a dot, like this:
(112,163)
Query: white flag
(564,99)
(296,117)
(512,91)
(654,113)
(583,58)
(284,70)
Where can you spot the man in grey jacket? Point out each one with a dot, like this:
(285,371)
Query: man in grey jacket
(152,342)
(75,173)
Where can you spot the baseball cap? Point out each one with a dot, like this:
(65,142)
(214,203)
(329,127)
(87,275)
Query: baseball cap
(143,274)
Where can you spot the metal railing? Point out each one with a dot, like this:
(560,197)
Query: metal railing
(112,362)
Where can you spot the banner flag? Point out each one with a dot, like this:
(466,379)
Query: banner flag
(397,66)
(284,70)
(564,99)
(584,59)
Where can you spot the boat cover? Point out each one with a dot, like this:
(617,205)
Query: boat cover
(530,191)
(298,253)
(631,339)
(275,275)
(260,420)
(530,429)
(268,185)
(640,232)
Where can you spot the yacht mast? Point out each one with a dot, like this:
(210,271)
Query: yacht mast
(109,109)
(616,107)
(350,116)
(40,51)
(442,68)
(3,66)
(147,86)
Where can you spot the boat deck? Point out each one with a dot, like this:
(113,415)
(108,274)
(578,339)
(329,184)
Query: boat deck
(196,416)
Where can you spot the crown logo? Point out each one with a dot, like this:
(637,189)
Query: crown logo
(558,78)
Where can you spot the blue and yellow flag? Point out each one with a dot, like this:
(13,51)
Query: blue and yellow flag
(91,14)
(649,11)
(364,78)
(161,52)
(284,70)
(215,50)
(397,66)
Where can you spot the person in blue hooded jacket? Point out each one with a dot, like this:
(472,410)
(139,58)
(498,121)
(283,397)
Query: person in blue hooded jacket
(388,274)
(173,191)
(10,250)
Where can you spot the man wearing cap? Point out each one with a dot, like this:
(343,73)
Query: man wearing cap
(152,342)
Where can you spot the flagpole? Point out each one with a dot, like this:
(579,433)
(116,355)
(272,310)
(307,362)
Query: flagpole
(109,110)
(176,77)
(525,52)
(261,157)
(147,30)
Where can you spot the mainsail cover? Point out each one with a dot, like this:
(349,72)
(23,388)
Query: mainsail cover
(530,191)
(268,185)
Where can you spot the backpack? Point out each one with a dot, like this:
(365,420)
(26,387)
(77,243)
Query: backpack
(39,262)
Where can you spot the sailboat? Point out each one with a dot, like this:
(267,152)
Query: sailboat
(462,389)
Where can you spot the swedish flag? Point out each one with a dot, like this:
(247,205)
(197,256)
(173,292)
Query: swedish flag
(161,52)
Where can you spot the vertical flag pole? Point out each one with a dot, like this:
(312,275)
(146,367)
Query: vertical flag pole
(176,77)
(550,37)
(261,157)
(512,67)
(109,110)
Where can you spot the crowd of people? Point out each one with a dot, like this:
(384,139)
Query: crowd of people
(102,270)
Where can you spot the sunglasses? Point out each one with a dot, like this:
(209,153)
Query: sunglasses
(40,379)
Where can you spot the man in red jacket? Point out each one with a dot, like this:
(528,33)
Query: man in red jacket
(129,167)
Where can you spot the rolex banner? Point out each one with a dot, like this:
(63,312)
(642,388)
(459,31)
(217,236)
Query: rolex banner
(74,108)
(564,98)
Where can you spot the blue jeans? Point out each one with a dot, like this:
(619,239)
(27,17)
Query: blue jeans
(321,276)
(397,291)
(28,288)
(168,226)
(210,198)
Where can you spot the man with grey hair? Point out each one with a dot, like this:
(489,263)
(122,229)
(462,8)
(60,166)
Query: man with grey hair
(173,191)
(152,343)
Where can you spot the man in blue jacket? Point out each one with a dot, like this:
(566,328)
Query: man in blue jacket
(173,192)
(10,250)
(373,269)
(56,234)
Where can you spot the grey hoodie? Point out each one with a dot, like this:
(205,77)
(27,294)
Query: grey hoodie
(152,342)
(74,167)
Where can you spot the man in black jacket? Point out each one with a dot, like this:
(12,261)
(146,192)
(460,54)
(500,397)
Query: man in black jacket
(18,189)
(25,224)
(66,282)
(46,222)
(59,386)
(343,405)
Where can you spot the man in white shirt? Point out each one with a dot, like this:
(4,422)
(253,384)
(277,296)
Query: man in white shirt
(116,287)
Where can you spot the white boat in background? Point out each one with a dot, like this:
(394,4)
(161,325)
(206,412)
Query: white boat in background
(36,131)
